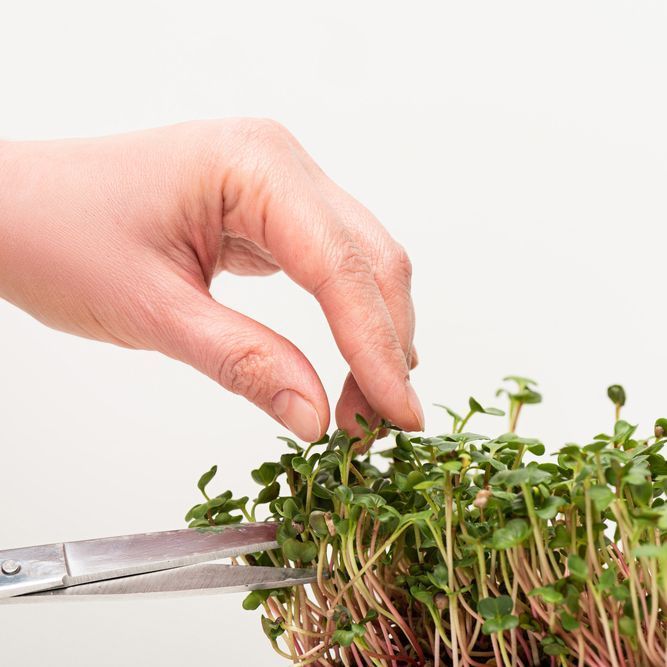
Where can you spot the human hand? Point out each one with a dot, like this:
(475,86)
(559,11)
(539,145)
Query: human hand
(118,239)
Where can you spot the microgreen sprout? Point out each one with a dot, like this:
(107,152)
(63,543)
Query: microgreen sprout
(456,549)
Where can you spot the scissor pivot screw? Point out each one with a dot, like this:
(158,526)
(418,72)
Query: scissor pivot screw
(10,567)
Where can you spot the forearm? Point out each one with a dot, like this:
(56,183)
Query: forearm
(27,247)
(11,244)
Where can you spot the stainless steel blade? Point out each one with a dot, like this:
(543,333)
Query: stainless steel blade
(74,563)
(205,577)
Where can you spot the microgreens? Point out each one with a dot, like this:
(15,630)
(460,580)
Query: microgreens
(457,550)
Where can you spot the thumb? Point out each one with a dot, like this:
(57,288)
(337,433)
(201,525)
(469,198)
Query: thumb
(249,359)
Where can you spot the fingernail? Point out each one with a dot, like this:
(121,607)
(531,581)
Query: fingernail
(414,404)
(298,415)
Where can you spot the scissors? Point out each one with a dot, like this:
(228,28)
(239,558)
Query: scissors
(164,562)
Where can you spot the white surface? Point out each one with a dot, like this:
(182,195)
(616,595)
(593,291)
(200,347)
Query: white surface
(516,149)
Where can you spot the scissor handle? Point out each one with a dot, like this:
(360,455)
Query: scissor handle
(31,569)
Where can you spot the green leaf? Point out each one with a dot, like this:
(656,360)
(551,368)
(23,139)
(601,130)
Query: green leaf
(362,422)
(330,461)
(497,614)
(520,380)
(318,523)
(637,474)
(289,508)
(623,432)
(569,622)
(266,473)
(199,511)
(344,493)
(320,491)
(450,412)
(253,600)
(511,535)
(551,507)
(500,624)
(425,597)
(268,493)
(370,501)
(650,551)
(371,615)
(345,638)
(513,441)
(617,394)
(439,577)
(409,481)
(272,629)
(427,484)
(548,594)
(561,537)
(607,579)
(191,512)
(296,550)
(205,479)
(554,646)
(339,440)
(462,438)
(577,567)
(530,476)
(493,607)
(237,503)
(303,467)
(342,525)
(602,496)
(627,626)
(475,406)
(621,592)
(291,444)
(527,396)
(403,442)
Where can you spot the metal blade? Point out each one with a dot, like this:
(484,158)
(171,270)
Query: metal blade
(73,563)
(206,577)
(94,560)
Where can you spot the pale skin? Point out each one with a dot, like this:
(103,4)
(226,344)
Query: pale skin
(118,239)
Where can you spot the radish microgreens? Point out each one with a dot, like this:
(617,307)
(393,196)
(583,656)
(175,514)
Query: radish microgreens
(458,550)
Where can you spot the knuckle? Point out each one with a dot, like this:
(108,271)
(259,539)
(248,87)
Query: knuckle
(348,264)
(270,126)
(351,260)
(370,345)
(265,132)
(245,142)
(399,265)
(245,370)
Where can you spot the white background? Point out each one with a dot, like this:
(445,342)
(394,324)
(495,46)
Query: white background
(516,149)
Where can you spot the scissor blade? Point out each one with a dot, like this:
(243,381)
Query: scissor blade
(95,560)
(201,578)
(71,563)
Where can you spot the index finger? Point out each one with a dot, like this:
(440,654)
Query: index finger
(313,247)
